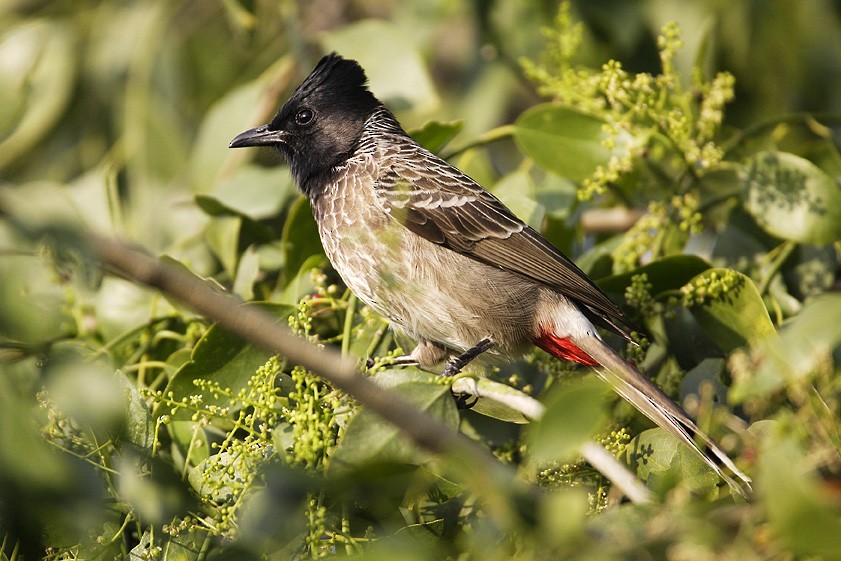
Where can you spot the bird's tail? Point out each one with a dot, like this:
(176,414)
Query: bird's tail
(640,392)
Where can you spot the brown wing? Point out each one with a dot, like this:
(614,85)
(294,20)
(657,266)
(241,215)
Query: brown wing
(440,203)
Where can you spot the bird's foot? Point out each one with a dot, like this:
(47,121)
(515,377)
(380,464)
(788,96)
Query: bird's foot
(464,400)
(455,364)
(465,391)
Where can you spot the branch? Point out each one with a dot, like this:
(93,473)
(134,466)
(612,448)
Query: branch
(594,453)
(262,329)
(609,220)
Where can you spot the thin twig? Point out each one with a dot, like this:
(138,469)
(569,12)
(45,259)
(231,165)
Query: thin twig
(616,472)
(492,135)
(783,251)
(609,220)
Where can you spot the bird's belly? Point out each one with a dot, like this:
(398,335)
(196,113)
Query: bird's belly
(431,292)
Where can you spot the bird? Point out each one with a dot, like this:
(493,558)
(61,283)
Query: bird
(442,258)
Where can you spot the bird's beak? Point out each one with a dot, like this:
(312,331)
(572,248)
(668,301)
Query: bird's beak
(258,136)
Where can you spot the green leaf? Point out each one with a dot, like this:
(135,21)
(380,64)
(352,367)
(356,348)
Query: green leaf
(707,372)
(393,377)
(22,446)
(156,493)
(597,261)
(558,196)
(102,545)
(742,240)
(121,306)
(140,427)
(228,117)
(686,340)
(662,461)
(732,313)
(82,204)
(384,50)
(222,235)
(516,191)
(218,477)
(186,546)
(668,273)
(191,439)
(248,271)
(499,401)
(300,284)
(37,72)
(812,271)
(370,336)
(224,359)
(804,345)
(34,305)
(299,240)
(792,198)
(434,135)
(812,334)
(252,191)
(574,413)
(720,183)
(798,509)
(368,438)
(562,140)
(563,515)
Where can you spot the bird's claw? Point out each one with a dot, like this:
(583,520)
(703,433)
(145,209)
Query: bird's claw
(463,400)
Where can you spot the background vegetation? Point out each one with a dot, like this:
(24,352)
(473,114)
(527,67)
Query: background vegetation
(692,167)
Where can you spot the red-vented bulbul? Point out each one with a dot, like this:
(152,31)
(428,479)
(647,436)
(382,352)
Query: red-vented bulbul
(442,258)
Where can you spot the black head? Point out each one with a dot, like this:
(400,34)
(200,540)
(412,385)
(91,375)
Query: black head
(319,127)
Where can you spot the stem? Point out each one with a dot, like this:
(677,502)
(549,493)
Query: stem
(205,547)
(491,136)
(190,447)
(723,198)
(348,326)
(376,340)
(760,128)
(784,251)
(616,472)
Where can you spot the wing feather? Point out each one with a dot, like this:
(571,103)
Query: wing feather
(440,203)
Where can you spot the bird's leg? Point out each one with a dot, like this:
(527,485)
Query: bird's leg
(455,364)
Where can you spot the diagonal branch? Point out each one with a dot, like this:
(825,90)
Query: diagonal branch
(262,329)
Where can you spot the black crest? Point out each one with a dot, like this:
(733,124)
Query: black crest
(323,120)
(333,73)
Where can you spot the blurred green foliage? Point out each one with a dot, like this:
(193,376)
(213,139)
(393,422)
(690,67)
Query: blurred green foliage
(130,428)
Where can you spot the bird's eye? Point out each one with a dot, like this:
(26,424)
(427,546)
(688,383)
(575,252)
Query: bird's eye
(304,116)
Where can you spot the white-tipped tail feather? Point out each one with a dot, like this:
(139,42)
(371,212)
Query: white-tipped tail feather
(634,387)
